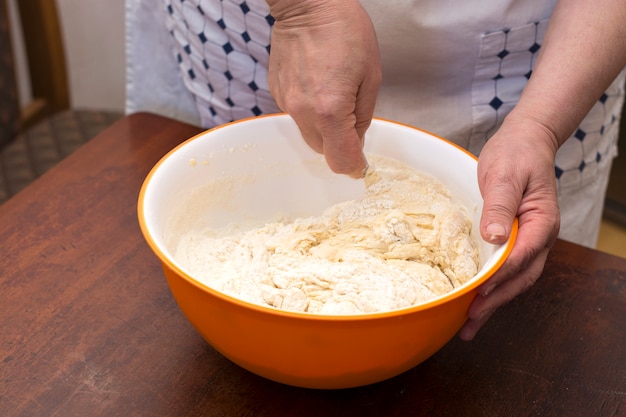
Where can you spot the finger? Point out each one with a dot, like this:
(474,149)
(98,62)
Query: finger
(502,292)
(309,133)
(366,102)
(472,326)
(338,140)
(299,111)
(537,230)
(328,122)
(343,149)
(484,306)
(343,144)
(501,200)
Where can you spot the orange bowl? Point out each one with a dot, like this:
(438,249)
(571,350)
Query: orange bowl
(270,170)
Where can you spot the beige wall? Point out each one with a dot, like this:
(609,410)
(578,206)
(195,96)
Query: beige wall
(23,88)
(93,33)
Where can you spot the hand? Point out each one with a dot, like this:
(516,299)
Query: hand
(516,166)
(516,178)
(324,70)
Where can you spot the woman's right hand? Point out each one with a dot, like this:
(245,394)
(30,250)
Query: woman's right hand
(324,70)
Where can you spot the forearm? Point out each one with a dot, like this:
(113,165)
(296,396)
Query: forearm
(583,51)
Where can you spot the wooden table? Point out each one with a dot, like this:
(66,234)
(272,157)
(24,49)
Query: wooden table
(88,326)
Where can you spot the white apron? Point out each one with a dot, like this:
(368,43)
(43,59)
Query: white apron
(452,67)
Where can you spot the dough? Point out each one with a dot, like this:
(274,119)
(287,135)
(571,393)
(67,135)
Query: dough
(403,244)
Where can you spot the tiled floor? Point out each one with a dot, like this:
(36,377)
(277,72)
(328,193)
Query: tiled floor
(612,238)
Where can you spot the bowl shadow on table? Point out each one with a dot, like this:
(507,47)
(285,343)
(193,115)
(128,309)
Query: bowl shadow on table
(528,370)
(457,370)
(496,374)
(424,390)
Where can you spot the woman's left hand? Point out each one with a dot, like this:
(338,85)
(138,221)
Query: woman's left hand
(516,178)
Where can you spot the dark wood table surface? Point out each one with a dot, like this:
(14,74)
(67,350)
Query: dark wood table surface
(88,326)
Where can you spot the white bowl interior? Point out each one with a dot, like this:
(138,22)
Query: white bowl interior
(263,169)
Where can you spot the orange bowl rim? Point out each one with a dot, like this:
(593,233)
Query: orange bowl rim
(458,292)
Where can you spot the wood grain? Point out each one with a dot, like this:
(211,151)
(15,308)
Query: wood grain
(88,326)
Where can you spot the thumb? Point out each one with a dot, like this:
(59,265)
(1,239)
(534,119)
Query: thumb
(343,149)
(500,206)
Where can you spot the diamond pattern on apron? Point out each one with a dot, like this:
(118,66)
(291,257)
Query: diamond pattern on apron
(222,50)
(505,65)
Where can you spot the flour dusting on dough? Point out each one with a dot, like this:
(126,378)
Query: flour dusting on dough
(405,243)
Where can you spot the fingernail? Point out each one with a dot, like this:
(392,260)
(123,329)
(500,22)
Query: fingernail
(495,231)
(488,290)
(367,167)
(485,314)
(362,173)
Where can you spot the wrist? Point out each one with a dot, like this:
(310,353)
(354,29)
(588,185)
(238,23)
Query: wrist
(283,10)
(534,131)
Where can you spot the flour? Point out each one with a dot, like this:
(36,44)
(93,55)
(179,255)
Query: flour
(405,243)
